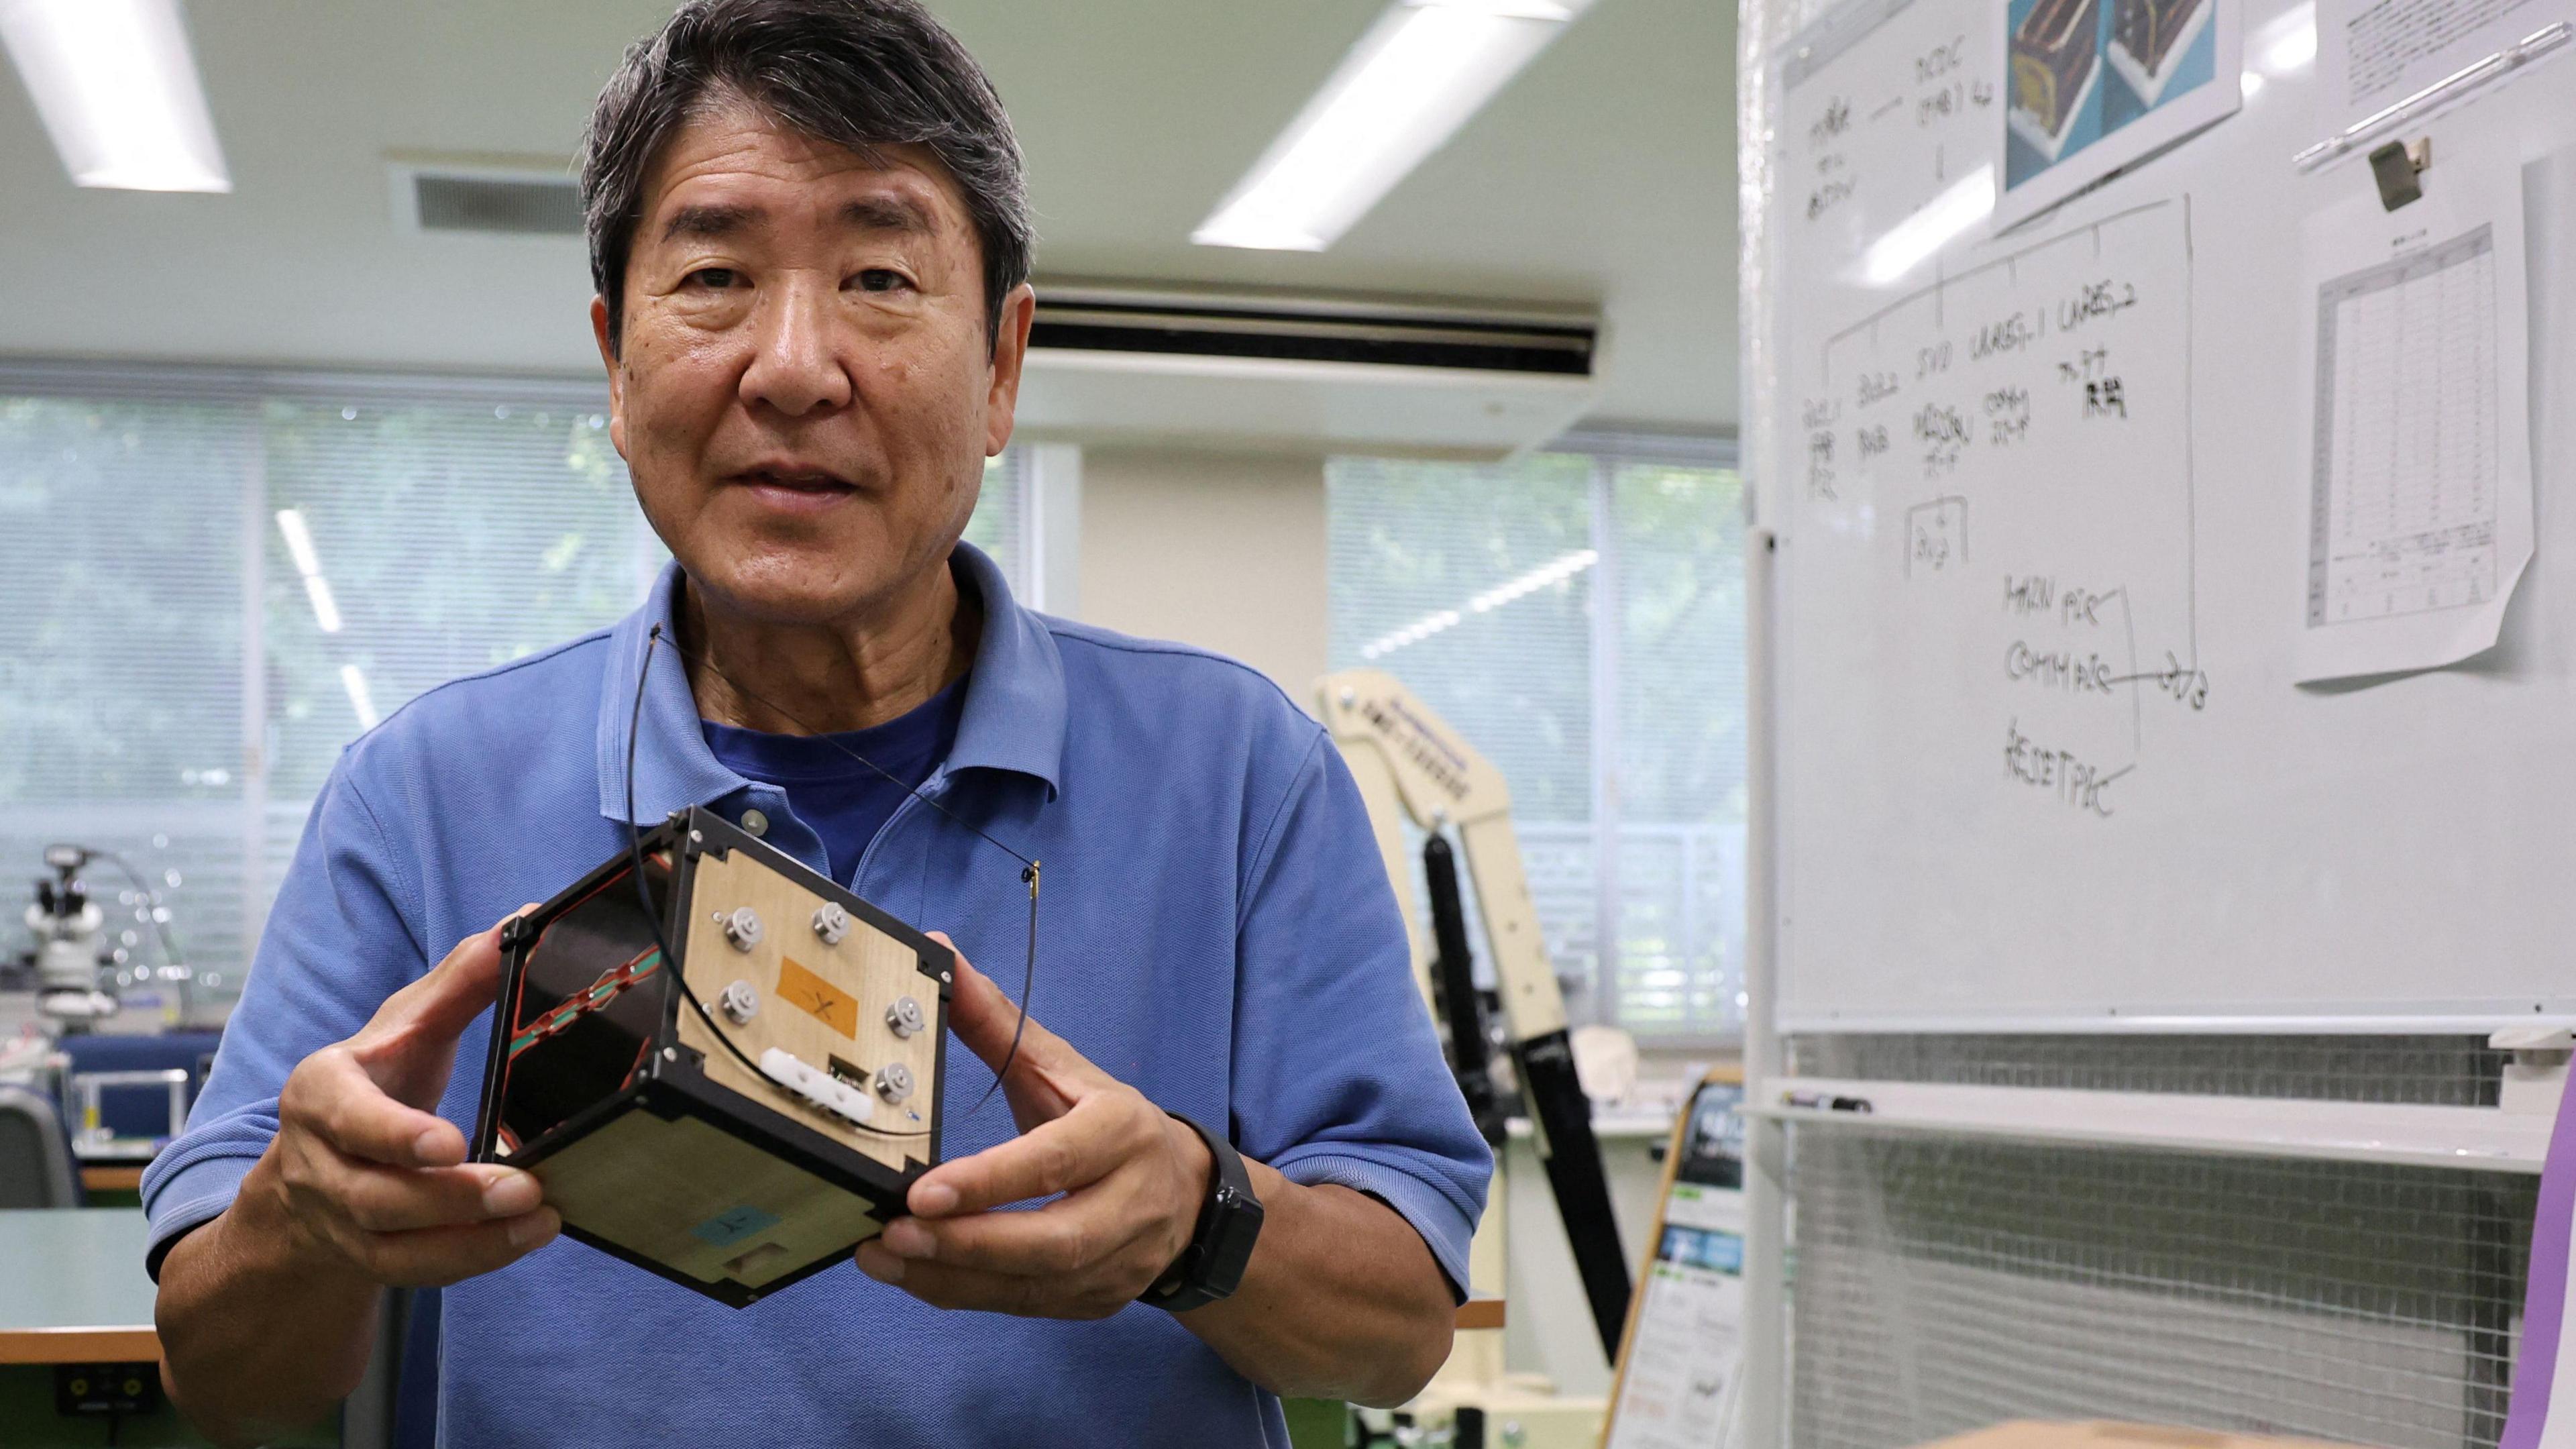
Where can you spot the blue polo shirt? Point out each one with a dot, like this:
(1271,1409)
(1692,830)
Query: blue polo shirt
(1218,931)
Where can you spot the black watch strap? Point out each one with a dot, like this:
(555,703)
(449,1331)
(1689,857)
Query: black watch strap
(1211,1267)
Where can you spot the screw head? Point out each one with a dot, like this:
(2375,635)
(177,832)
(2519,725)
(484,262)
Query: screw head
(894,1081)
(831,922)
(904,1018)
(741,1002)
(742,928)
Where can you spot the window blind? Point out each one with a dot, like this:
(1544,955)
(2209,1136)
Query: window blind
(1578,616)
(226,576)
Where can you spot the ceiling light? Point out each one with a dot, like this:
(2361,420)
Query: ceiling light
(299,544)
(299,541)
(1410,83)
(1555,571)
(118,92)
(361,700)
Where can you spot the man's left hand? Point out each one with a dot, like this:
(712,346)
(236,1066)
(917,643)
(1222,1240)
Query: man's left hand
(1132,1182)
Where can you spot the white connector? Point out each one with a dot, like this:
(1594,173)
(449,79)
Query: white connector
(820,1088)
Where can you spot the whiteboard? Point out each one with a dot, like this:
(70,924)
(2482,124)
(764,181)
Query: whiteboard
(2042,763)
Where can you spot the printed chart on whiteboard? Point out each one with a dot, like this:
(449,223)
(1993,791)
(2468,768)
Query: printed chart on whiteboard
(2419,518)
(2406,472)
(2375,53)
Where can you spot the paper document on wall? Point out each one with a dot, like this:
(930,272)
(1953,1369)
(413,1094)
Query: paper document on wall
(2372,54)
(2418,431)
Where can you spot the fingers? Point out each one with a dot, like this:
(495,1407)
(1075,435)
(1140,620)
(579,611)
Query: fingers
(410,1044)
(1096,1228)
(333,1097)
(984,1018)
(978,1012)
(1059,1156)
(380,1199)
(437,1257)
(442,1003)
(942,1285)
(410,1226)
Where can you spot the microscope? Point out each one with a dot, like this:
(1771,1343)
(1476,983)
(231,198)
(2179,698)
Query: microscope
(75,970)
(69,957)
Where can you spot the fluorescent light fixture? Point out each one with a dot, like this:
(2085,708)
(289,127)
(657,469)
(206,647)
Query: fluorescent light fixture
(1911,241)
(299,544)
(354,680)
(1419,73)
(326,610)
(299,541)
(118,92)
(1555,570)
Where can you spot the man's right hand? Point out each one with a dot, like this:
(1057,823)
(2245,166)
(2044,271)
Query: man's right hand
(267,1313)
(368,1179)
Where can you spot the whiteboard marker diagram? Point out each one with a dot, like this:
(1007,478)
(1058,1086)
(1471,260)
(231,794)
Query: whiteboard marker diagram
(2028,421)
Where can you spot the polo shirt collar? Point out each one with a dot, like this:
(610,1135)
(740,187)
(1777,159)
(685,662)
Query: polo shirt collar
(1013,720)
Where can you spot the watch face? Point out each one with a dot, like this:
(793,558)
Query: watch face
(1237,1226)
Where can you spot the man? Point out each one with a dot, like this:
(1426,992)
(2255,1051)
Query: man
(811,248)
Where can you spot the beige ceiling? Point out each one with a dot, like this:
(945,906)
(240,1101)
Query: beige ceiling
(1603,175)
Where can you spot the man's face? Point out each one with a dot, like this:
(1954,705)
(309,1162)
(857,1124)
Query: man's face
(804,391)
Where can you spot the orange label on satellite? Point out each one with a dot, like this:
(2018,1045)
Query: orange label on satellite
(818,998)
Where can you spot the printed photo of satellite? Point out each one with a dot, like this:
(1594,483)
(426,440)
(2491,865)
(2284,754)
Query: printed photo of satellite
(2096,85)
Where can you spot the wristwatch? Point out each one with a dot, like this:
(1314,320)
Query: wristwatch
(1211,1267)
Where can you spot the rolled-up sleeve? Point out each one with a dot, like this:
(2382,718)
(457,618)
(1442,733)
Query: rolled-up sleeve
(1338,1075)
(338,942)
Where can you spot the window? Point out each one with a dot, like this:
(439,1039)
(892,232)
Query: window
(221,578)
(1579,617)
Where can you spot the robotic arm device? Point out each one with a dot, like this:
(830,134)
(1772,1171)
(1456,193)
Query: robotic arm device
(1412,766)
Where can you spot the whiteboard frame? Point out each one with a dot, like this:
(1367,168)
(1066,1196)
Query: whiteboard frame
(2169,1023)
(1782,40)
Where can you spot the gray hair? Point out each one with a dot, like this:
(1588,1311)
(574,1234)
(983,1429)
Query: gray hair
(855,73)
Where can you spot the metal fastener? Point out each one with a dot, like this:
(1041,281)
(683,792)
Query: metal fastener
(904,1017)
(755,821)
(743,928)
(894,1081)
(831,922)
(740,1001)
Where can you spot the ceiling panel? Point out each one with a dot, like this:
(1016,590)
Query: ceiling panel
(1604,175)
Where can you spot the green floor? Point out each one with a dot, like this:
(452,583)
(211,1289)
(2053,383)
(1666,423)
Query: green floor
(1317,1424)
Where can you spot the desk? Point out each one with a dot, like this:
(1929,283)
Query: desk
(77,1290)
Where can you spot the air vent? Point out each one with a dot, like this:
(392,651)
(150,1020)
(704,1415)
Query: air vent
(444,196)
(1115,362)
(1082,320)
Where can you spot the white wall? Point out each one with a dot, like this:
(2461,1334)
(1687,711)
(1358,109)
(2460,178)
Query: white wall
(1547,1322)
(1222,550)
